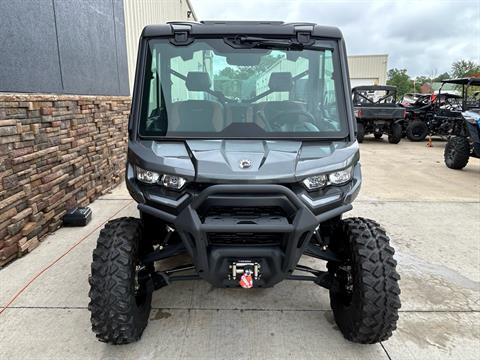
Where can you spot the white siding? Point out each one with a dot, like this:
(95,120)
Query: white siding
(139,13)
(368,69)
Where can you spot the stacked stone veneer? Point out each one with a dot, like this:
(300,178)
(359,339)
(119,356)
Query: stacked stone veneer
(56,152)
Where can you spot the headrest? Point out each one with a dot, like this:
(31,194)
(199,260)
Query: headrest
(280,81)
(198,81)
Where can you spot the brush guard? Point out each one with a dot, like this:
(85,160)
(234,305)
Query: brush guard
(218,240)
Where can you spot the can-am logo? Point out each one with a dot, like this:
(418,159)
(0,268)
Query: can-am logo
(245,164)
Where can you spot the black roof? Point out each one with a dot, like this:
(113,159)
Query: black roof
(242,27)
(375,88)
(463,81)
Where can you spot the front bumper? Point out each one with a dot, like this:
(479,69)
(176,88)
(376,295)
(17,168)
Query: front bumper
(216,241)
(267,224)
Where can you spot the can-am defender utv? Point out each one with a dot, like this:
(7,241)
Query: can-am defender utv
(242,154)
(377,112)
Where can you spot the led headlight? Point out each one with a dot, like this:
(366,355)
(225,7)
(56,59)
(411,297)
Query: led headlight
(315,182)
(335,178)
(152,177)
(340,177)
(172,182)
(147,176)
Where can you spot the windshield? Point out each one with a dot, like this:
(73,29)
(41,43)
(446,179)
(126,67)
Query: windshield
(211,89)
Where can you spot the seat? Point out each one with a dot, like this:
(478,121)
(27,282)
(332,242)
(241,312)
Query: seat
(196,115)
(264,112)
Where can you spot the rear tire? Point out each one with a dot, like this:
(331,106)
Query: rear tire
(360,132)
(119,303)
(417,130)
(457,152)
(395,134)
(365,294)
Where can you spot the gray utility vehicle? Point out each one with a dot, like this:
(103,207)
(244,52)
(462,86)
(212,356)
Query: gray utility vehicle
(242,156)
(377,112)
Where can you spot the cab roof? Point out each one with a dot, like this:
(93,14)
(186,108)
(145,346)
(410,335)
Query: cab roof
(241,27)
(463,81)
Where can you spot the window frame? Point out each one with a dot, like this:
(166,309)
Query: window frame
(340,88)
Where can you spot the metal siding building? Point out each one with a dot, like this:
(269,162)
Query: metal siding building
(368,69)
(63,47)
(139,13)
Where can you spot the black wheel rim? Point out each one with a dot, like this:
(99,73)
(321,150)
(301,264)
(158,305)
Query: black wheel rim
(140,279)
(417,131)
(343,282)
(450,152)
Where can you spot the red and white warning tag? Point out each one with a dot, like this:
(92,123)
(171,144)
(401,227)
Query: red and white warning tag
(246,281)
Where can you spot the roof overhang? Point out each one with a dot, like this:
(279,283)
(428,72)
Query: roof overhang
(278,28)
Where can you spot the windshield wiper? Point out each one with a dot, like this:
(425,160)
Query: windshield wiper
(250,42)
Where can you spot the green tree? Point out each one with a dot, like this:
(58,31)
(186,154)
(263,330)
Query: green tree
(231,81)
(245,72)
(465,68)
(400,79)
(441,77)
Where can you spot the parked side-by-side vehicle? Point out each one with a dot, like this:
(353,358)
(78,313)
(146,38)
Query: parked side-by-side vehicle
(438,114)
(377,112)
(465,142)
(243,157)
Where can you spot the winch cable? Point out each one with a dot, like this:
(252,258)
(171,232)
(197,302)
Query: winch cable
(41,272)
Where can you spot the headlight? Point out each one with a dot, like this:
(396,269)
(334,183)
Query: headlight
(334,178)
(147,176)
(173,182)
(152,177)
(340,177)
(315,182)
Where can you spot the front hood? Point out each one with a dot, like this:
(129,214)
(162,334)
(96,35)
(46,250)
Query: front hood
(273,161)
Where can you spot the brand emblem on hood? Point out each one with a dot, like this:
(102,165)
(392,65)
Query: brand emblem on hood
(245,164)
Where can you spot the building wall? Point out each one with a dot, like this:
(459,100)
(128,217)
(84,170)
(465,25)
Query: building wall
(368,69)
(63,47)
(139,13)
(57,152)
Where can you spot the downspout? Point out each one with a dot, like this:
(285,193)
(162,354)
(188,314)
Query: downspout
(191,9)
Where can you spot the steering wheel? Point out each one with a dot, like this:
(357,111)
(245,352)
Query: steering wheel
(291,118)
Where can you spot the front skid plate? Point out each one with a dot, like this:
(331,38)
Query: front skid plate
(277,261)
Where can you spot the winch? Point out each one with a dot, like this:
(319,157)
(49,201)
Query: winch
(248,271)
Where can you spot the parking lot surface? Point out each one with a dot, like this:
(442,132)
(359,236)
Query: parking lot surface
(432,214)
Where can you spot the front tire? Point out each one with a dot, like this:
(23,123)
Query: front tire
(457,152)
(119,300)
(417,130)
(365,294)
(395,134)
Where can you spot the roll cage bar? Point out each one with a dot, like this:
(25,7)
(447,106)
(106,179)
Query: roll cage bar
(391,91)
(465,83)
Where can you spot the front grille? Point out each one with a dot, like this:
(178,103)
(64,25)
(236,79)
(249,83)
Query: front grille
(245,238)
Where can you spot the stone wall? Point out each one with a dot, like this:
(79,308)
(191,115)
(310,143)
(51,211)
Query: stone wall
(56,152)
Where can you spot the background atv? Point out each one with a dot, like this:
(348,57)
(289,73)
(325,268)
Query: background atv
(377,113)
(242,157)
(438,114)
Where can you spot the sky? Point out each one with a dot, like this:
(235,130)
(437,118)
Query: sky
(423,36)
